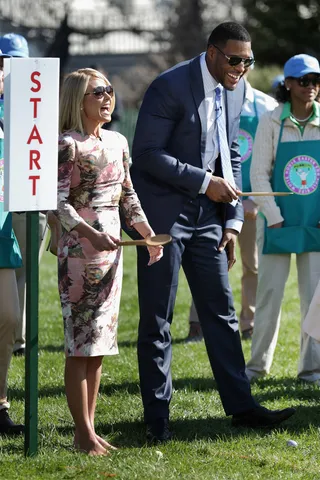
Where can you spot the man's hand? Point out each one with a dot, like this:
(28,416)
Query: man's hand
(228,243)
(276,225)
(219,190)
(250,209)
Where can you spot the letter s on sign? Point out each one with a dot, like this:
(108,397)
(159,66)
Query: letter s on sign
(35,81)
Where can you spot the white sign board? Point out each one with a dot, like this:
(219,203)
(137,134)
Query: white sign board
(31,106)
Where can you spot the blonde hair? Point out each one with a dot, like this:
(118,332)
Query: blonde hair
(71,98)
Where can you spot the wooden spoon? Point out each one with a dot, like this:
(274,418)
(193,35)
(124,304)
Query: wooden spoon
(156,241)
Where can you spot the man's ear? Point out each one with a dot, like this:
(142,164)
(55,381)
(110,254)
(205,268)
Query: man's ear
(211,51)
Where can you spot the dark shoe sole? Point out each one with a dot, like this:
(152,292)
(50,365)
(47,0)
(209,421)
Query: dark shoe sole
(238,422)
(157,441)
(18,430)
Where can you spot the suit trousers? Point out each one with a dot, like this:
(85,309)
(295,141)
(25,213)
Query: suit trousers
(196,237)
(272,276)
(9,319)
(19,224)
(249,280)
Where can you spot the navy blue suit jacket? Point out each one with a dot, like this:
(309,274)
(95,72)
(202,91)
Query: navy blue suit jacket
(169,144)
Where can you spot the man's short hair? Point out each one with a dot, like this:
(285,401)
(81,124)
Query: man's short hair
(228,31)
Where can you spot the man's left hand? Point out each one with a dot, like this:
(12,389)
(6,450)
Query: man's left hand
(228,243)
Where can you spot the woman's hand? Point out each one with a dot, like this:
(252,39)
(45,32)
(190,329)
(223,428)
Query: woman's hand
(276,225)
(156,253)
(101,241)
(250,209)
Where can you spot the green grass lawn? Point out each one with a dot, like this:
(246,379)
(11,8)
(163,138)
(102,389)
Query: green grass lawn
(206,446)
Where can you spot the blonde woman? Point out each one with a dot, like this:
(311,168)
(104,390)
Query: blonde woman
(94,183)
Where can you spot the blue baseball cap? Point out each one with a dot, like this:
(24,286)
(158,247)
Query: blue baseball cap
(300,65)
(276,81)
(14,45)
(3,55)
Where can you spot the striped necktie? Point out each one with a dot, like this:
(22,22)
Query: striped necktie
(223,142)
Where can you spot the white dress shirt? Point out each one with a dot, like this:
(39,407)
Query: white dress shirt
(264,103)
(212,142)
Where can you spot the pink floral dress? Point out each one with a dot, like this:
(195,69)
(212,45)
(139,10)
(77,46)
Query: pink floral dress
(94,182)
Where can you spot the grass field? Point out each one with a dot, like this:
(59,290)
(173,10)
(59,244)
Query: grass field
(205,445)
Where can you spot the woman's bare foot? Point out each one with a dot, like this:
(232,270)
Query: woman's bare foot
(91,447)
(105,444)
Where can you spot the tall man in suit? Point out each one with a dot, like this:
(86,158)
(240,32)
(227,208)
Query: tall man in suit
(186,171)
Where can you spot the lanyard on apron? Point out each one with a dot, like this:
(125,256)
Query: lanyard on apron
(247,132)
(296,169)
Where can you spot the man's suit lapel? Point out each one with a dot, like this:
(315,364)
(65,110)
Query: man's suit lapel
(198,96)
(233,101)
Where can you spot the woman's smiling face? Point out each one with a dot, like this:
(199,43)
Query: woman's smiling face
(97,107)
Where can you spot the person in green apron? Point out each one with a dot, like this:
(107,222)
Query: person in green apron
(286,157)
(255,105)
(15,45)
(10,258)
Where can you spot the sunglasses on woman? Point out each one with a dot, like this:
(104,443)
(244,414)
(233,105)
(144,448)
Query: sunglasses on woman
(99,92)
(234,60)
(305,81)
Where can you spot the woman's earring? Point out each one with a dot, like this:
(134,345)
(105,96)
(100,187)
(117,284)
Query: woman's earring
(288,89)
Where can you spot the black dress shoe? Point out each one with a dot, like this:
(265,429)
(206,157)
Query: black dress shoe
(261,417)
(158,431)
(20,352)
(7,426)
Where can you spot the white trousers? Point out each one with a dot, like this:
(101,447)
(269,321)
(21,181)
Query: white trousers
(19,224)
(9,319)
(272,276)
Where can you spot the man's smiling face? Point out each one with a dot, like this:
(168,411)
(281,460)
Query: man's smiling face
(228,76)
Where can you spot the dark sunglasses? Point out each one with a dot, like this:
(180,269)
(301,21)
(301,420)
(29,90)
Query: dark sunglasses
(234,60)
(305,81)
(99,92)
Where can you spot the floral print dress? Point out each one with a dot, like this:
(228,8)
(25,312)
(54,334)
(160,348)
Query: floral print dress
(94,183)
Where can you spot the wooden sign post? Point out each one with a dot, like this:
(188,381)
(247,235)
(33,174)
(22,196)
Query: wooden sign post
(31,91)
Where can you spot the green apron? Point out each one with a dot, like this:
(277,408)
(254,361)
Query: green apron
(10,256)
(247,132)
(296,169)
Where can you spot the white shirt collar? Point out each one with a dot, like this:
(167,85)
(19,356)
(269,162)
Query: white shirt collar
(209,83)
(249,92)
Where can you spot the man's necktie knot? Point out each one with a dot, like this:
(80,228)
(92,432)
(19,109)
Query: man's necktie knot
(218,91)
(218,106)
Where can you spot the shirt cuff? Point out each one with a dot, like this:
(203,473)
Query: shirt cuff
(205,183)
(235,225)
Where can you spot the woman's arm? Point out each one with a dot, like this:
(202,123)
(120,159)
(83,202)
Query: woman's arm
(262,167)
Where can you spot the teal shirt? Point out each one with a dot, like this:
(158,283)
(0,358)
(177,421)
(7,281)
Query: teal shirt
(286,113)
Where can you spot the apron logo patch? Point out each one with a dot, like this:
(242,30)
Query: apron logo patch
(302,174)
(245,143)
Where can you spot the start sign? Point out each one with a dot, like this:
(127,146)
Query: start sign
(31,107)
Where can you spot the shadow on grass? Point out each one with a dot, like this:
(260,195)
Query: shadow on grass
(131,434)
(267,389)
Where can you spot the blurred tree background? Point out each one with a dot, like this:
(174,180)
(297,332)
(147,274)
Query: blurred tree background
(134,40)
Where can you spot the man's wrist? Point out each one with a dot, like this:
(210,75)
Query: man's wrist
(232,230)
